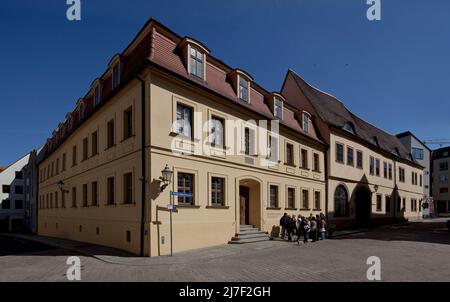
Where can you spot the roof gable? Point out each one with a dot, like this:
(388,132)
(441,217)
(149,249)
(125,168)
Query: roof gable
(334,113)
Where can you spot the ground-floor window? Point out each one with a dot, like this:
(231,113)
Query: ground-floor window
(74,197)
(273,196)
(85,195)
(18,204)
(217,191)
(291,198)
(128,188)
(186,185)
(317,200)
(305,199)
(413,205)
(341,206)
(110,191)
(379,204)
(6,204)
(94,192)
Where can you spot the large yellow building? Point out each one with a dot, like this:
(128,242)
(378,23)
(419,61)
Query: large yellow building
(240,154)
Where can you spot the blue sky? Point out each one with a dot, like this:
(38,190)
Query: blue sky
(394,73)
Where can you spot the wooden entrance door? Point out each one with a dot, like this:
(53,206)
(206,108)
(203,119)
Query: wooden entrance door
(244,198)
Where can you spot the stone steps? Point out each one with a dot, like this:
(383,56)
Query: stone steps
(249,234)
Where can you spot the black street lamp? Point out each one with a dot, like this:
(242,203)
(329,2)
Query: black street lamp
(166,177)
(60,185)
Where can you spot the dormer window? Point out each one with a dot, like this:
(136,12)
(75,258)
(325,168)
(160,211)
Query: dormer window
(243,89)
(196,62)
(240,80)
(276,104)
(194,57)
(349,127)
(306,121)
(395,151)
(374,141)
(97,94)
(116,76)
(278,108)
(82,110)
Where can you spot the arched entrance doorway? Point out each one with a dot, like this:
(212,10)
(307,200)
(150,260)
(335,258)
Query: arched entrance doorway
(249,202)
(363,206)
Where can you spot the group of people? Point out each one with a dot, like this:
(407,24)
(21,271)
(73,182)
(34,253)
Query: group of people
(313,227)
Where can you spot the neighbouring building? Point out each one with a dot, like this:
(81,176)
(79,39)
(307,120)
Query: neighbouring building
(440,183)
(12,211)
(165,100)
(30,173)
(422,154)
(370,175)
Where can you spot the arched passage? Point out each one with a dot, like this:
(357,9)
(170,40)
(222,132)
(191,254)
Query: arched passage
(363,205)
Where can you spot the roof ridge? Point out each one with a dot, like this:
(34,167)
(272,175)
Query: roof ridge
(345,107)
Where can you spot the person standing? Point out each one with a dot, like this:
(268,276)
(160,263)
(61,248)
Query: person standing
(322,227)
(289,227)
(305,230)
(294,225)
(283,222)
(313,231)
(299,227)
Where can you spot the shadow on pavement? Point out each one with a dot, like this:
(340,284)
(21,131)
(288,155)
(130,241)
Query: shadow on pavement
(431,232)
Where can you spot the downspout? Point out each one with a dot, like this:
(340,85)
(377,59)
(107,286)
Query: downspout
(326,184)
(36,198)
(395,191)
(143,165)
(36,194)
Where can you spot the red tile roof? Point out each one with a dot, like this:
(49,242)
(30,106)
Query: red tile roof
(166,54)
(156,44)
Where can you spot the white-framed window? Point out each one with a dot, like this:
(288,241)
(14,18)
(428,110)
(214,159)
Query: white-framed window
(374,141)
(186,184)
(217,131)
(244,89)
(116,76)
(349,127)
(306,122)
(184,120)
(196,62)
(273,196)
(218,191)
(290,196)
(278,108)
(97,94)
(82,110)
(249,141)
(273,149)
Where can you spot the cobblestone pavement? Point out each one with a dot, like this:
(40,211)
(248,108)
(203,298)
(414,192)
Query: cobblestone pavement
(412,252)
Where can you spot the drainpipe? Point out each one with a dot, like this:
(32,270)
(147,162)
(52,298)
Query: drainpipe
(395,191)
(326,184)
(143,165)
(36,179)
